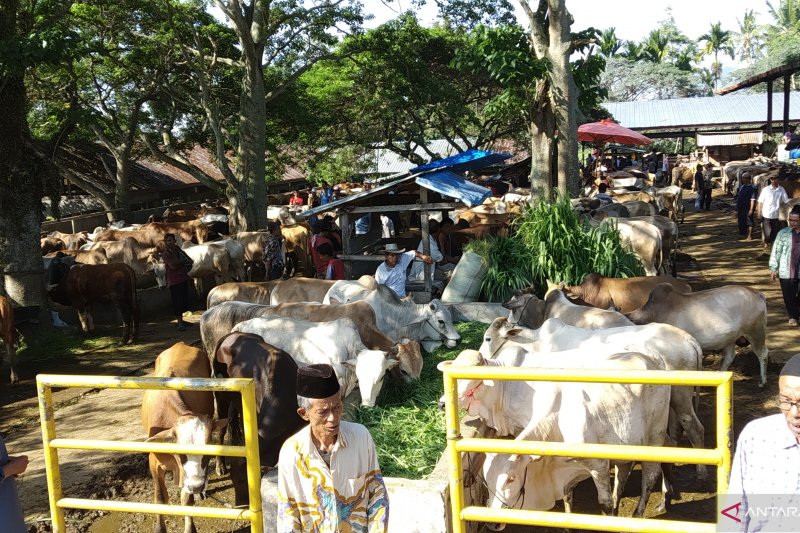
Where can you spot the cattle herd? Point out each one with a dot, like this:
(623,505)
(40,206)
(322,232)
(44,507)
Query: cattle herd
(265,330)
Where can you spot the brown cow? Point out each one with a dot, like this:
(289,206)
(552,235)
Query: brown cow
(683,176)
(191,230)
(86,257)
(638,196)
(253,242)
(84,285)
(51,244)
(257,292)
(626,294)
(296,238)
(127,251)
(182,417)
(72,241)
(7,335)
(244,355)
(460,237)
(307,290)
(148,238)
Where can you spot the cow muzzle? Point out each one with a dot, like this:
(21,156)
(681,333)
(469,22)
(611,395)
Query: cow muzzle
(194,485)
(451,343)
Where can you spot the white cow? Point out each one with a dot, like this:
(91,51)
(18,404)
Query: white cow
(431,324)
(715,317)
(235,251)
(644,240)
(669,240)
(529,311)
(678,350)
(566,412)
(336,342)
(208,260)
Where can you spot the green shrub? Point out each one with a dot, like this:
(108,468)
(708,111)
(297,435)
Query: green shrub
(549,242)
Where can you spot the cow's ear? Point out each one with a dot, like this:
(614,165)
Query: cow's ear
(219,425)
(168,435)
(523,460)
(512,332)
(405,340)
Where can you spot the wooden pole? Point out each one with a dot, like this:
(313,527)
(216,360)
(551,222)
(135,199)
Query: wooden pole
(344,220)
(769,107)
(787,82)
(426,243)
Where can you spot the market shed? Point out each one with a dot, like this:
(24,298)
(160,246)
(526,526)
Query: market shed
(435,186)
(728,146)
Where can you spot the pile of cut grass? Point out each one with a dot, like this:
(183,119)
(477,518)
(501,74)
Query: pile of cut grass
(406,423)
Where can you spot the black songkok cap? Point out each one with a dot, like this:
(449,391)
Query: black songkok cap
(317,381)
(792,366)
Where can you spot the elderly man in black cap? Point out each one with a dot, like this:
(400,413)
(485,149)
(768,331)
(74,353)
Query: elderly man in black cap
(328,474)
(765,474)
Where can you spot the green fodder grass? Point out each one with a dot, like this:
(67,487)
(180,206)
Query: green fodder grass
(406,423)
(550,243)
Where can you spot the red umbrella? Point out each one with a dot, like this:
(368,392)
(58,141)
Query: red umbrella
(608,131)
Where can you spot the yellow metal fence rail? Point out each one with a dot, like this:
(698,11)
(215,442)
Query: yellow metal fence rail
(246,387)
(719,456)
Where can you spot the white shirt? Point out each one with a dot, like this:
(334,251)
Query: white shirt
(348,495)
(395,278)
(388,227)
(765,479)
(771,200)
(417,274)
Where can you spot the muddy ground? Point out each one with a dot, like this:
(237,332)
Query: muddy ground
(711,255)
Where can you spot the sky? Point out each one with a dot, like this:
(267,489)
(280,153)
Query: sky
(633,19)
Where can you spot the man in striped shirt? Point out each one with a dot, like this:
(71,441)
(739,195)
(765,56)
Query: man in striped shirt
(329,480)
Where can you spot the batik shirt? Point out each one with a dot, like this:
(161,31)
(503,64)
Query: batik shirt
(310,500)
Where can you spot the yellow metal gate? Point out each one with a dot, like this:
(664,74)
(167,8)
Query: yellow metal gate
(249,451)
(456,445)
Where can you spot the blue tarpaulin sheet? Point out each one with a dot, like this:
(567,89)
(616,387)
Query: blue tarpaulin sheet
(465,161)
(452,185)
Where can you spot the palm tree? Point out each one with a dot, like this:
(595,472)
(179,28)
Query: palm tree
(749,38)
(656,46)
(633,51)
(684,58)
(786,15)
(717,40)
(707,79)
(609,43)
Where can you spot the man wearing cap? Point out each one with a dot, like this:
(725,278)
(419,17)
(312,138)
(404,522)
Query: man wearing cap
(328,474)
(770,200)
(392,272)
(765,474)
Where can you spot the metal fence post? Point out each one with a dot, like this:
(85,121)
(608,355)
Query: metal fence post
(250,423)
(53,471)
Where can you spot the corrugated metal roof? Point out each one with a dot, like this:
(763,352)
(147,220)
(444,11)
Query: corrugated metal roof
(714,111)
(730,139)
(388,162)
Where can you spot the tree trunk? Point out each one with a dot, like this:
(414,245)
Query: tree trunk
(122,188)
(564,95)
(250,211)
(21,186)
(541,157)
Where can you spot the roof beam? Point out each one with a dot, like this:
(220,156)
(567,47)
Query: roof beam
(770,75)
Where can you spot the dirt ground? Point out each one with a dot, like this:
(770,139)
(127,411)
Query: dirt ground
(711,255)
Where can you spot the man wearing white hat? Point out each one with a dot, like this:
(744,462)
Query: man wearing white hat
(392,272)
